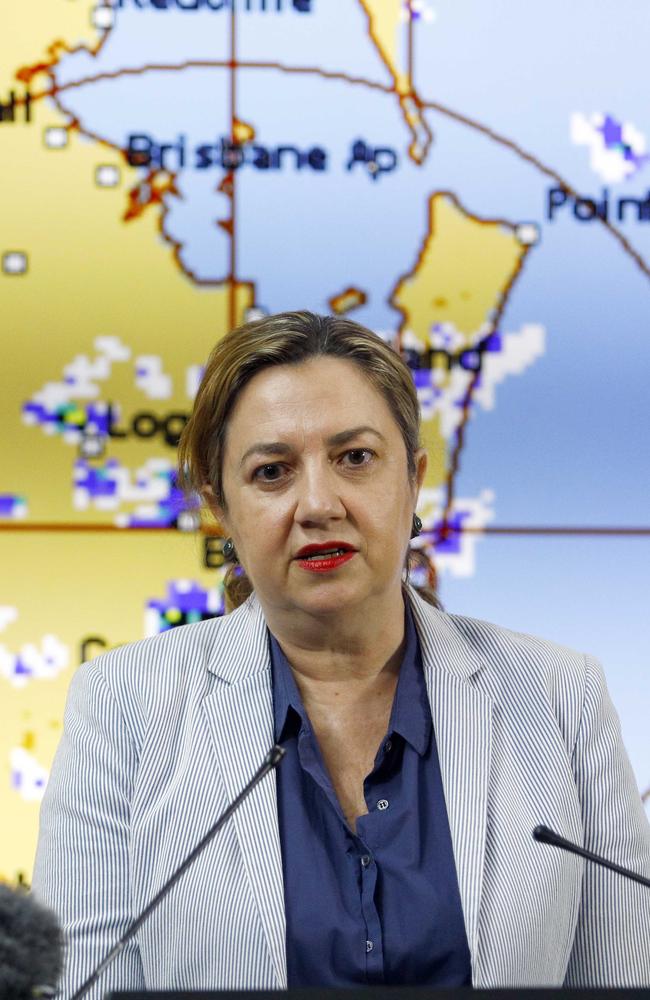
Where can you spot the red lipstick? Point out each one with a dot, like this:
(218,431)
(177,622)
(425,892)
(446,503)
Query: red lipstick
(323,557)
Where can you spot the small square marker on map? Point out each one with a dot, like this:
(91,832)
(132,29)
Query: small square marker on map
(55,137)
(528,233)
(14,262)
(103,17)
(254,313)
(188,520)
(91,445)
(107,175)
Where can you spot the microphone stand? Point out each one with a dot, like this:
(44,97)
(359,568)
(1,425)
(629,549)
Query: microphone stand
(547,836)
(272,759)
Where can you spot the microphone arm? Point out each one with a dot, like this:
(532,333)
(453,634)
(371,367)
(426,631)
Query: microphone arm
(272,759)
(547,836)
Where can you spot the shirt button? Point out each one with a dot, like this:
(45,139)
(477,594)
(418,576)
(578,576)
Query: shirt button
(369,946)
(388,746)
(365,860)
(382,804)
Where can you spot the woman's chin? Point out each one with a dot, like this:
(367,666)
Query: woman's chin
(322,595)
(336,602)
(329,595)
(336,597)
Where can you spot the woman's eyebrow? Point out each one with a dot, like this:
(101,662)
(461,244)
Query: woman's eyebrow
(282,448)
(267,448)
(344,436)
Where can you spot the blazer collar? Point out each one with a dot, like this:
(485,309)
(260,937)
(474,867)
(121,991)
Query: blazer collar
(442,644)
(240,649)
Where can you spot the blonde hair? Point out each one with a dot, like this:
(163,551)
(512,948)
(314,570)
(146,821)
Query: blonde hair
(286,339)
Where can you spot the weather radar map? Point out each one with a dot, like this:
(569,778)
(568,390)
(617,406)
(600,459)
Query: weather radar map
(470,180)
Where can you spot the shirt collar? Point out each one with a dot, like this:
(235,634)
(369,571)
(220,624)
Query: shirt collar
(288,709)
(411,712)
(410,715)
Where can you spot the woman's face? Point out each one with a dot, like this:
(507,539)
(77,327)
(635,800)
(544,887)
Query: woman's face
(319,503)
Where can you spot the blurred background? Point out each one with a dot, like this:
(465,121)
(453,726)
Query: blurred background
(469,179)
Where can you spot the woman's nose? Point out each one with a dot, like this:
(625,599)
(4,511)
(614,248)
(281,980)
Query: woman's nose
(319,497)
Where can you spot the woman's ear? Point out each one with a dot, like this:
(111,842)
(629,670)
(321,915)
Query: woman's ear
(210,500)
(421,461)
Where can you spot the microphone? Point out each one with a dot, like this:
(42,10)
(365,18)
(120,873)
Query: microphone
(547,836)
(272,759)
(31,947)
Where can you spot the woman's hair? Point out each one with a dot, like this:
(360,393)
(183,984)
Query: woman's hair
(286,339)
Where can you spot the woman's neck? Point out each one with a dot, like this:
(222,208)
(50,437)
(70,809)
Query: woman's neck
(352,649)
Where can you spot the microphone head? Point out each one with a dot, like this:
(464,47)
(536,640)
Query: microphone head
(545,835)
(31,947)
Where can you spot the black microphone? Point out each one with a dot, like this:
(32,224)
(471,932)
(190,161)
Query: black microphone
(31,947)
(546,836)
(272,759)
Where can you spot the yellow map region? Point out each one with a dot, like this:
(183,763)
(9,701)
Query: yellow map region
(388,32)
(464,269)
(388,22)
(35,30)
(89,274)
(76,588)
(349,298)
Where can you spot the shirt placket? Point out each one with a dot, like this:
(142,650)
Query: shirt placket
(374,942)
(313,765)
(371,835)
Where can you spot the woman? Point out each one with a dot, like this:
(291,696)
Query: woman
(394,844)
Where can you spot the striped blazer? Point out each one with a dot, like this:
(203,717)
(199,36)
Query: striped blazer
(161,734)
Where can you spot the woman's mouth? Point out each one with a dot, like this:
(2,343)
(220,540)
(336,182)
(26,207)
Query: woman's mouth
(326,553)
(324,560)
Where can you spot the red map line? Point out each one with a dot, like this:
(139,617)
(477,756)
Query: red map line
(503,530)
(410,47)
(454,464)
(559,530)
(441,109)
(232,277)
(358,81)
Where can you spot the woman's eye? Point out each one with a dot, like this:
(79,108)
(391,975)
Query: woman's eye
(268,473)
(359,456)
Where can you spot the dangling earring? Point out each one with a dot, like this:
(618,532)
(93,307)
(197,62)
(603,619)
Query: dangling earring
(417,526)
(229,550)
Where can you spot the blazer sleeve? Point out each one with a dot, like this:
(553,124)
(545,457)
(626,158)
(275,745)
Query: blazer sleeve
(612,941)
(82,862)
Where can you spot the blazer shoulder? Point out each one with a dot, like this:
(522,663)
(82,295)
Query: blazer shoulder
(507,647)
(526,675)
(162,674)
(185,647)
(506,661)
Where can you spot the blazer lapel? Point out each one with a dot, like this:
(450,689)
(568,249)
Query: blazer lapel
(239,714)
(461,717)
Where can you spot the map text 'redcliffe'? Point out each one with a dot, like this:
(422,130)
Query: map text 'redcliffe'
(239,6)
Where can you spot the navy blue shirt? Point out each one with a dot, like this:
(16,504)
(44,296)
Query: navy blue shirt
(381,905)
